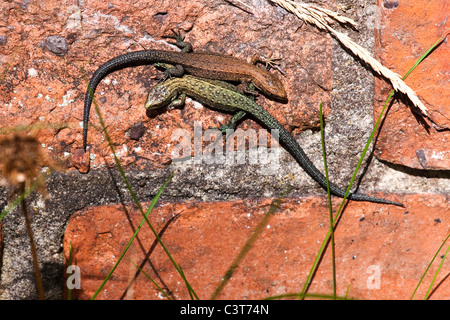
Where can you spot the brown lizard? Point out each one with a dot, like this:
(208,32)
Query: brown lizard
(203,64)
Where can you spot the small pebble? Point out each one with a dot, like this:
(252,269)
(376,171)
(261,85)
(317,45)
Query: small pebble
(136,131)
(57,45)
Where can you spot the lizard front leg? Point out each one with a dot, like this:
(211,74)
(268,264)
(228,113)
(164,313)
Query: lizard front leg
(269,62)
(179,41)
(178,101)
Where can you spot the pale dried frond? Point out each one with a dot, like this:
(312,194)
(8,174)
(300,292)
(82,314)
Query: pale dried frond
(322,18)
(241,5)
(312,13)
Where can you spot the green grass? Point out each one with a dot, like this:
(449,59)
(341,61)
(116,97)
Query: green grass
(330,208)
(69,262)
(155,199)
(17,201)
(153,281)
(192,293)
(427,295)
(273,208)
(366,147)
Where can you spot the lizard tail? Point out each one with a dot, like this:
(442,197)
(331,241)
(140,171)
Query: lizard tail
(303,160)
(129,59)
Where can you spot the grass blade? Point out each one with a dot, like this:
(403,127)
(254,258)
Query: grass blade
(333,253)
(19,199)
(69,288)
(366,147)
(155,199)
(428,267)
(274,206)
(427,295)
(153,281)
(128,185)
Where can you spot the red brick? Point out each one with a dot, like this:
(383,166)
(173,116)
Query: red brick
(405,32)
(204,238)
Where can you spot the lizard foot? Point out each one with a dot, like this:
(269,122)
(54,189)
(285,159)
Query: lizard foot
(269,62)
(179,41)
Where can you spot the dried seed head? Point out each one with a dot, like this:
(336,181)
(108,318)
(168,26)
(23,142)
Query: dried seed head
(21,160)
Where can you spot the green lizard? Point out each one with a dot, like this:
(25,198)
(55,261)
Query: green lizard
(221,97)
(205,64)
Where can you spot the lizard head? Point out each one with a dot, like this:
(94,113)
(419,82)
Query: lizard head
(160,96)
(270,85)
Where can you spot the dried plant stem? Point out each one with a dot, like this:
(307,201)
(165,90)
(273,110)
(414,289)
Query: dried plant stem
(322,18)
(37,272)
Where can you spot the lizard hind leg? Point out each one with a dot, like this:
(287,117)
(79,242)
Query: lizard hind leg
(232,124)
(228,129)
(168,71)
